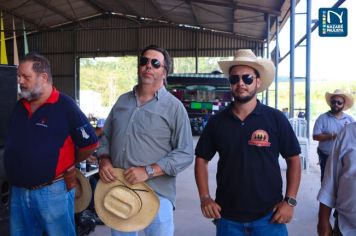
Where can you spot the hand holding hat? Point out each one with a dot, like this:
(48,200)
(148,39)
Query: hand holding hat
(123,206)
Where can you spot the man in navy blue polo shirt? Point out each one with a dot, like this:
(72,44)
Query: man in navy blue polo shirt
(249,137)
(48,134)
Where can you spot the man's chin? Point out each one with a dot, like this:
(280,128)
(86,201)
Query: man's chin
(243,99)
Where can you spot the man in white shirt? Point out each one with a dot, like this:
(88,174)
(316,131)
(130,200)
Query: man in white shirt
(338,189)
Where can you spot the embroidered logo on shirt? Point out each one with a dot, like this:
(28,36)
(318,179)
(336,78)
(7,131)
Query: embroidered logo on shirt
(43,123)
(259,138)
(84,133)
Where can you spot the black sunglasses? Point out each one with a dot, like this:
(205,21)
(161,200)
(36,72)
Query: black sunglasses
(154,62)
(333,102)
(247,79)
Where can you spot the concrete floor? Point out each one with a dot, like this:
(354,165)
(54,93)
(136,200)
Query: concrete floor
(189,220)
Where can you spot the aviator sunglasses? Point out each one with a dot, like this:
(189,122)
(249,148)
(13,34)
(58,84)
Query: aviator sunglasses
(154,62)
(333,102)
(247,79)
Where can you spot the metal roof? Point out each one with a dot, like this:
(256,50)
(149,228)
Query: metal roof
(239,17)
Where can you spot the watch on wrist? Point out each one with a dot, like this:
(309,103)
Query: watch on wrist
(291,201)
(150,171)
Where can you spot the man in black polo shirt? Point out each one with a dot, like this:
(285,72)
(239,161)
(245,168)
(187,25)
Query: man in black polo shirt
(249,137)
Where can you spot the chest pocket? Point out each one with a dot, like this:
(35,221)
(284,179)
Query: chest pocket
(149,123)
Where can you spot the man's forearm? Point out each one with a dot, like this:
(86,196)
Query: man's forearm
(324,213)
(83,154)
(201,177)
(324,137)
(293,176)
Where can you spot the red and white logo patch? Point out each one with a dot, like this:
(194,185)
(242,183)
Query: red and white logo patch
(260,138)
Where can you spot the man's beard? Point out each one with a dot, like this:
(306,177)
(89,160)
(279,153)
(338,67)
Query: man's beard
(335,110)
(32,95)
(247,98)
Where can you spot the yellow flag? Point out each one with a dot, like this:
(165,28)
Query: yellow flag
(3,45)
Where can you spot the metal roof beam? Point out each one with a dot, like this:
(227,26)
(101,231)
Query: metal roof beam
(55,10)
(239,6)
(95,5)
(28,20)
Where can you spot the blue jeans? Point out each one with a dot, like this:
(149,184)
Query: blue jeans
(260,227)
(48,209)
(162,224)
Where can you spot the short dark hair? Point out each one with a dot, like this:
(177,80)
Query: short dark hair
(40,64)
(167,58)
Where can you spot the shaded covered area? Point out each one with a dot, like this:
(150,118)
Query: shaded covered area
(66,30)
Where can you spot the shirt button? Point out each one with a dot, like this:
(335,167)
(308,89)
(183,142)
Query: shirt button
(243,123)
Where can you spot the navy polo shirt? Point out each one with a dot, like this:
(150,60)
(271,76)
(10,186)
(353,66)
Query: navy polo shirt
(42,145)
(249,181)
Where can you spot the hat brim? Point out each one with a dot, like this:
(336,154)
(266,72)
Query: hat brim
(149,209)
(83,192)
(264,67)
(349,100)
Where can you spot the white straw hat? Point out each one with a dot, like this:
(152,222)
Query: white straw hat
(123,206)
(83,192)
(246,57)
(349,100)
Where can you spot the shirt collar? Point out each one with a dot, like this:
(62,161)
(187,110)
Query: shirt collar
(332,115)
(158,94)
(256,111)
(53,98)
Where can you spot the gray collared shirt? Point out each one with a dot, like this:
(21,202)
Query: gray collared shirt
(157,132)
(328,123)
(338,189)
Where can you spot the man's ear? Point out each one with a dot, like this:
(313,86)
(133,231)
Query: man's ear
(258,82)
(44,76)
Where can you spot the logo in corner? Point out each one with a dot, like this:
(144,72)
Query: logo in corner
(259,138)
(332,22)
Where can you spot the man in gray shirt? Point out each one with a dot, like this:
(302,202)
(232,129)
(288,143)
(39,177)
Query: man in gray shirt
(330,123)
(148,134)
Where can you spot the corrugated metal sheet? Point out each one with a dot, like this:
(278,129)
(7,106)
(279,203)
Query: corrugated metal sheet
(116,36)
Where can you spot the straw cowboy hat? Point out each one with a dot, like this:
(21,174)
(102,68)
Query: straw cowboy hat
(123,206)
(247,58)
(83,192)
(349,100)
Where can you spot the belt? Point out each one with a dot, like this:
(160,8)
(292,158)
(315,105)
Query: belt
(58,178)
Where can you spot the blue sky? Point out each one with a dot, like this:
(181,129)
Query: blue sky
(332,58)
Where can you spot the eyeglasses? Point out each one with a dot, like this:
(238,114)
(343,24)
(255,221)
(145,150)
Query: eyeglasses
(154,62)
(247,79)
(333,102)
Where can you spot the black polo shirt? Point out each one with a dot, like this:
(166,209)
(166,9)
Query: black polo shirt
(249,181)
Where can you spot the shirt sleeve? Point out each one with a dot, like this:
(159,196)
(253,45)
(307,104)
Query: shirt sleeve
(329,186)
(288,142)
(105,139)
(206,147)
(182,154)
(82,132)
(318,126)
